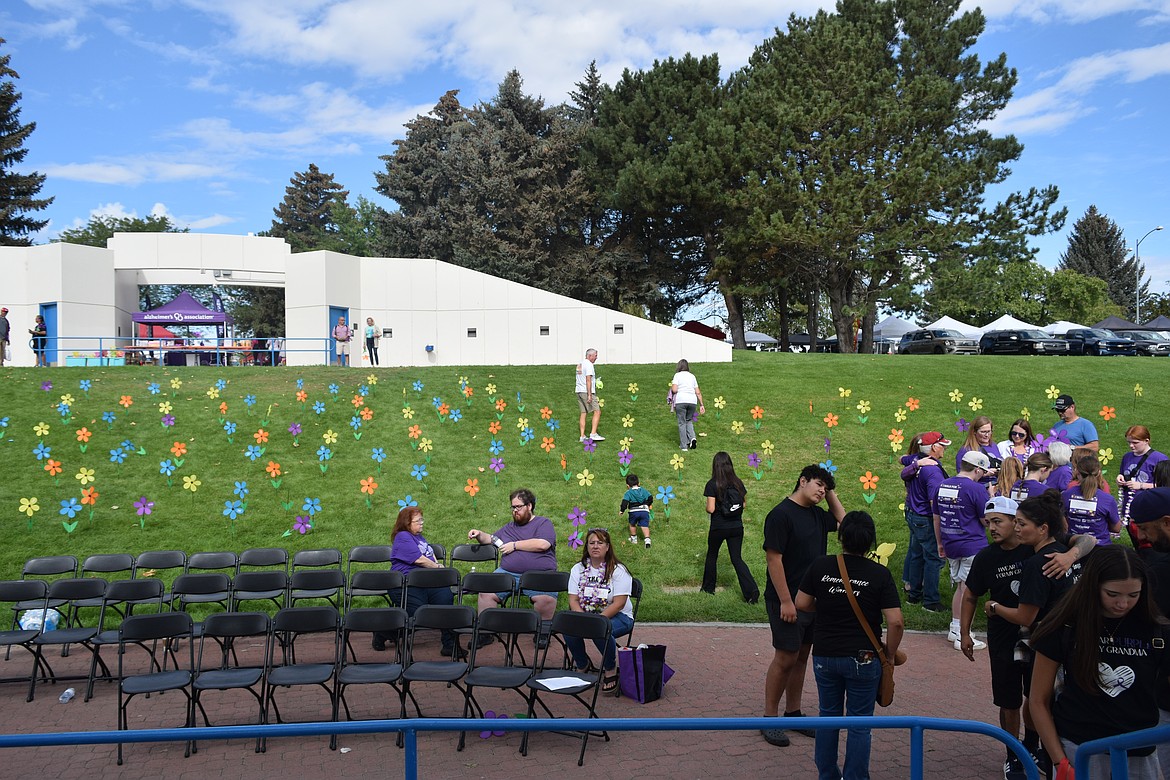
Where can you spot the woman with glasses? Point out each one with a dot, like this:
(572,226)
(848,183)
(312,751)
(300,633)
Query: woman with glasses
(409,551)
(979,440)
(1020,442)
(601,584)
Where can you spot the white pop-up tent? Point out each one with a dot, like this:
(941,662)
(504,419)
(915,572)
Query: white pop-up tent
(1007,322)
(893,328)
(1060,327)
(950,323)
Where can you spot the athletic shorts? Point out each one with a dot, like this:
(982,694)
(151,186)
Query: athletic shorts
(640,517)
(789,636)
(1008,679)
(960,568)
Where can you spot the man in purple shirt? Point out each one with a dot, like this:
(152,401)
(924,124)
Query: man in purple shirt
(527,543)
(960,529)
(922,475)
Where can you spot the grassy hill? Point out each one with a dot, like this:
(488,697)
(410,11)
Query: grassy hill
(217,414)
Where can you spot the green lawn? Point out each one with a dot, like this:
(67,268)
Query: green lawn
(794,392)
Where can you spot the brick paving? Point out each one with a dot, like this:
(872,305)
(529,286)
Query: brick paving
(720,671)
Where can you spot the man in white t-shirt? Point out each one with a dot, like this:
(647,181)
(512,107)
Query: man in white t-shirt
(587,393)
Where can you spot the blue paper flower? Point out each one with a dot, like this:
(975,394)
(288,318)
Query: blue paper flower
(364,390)
(419,472)
(117,456)
(128,446)
(436,402)
(42,451)
(85,385)
(527,434)
(829,466)
(496,447)
(418,386)
(665,494)
(250,399)
(252,453)
(153,388)
(324,453)
(456,415)
(166,468)
(220,384)
(300,384)
(229,428)
(403,503)
(108,417)
(333,389)
(378,455)
(233,509)
(355,422)
(319,407)
(241,490)
(70,507)
(63,409)
(312,506)
(553,424)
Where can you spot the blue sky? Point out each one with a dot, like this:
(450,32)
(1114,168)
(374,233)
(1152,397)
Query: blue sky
(203,109)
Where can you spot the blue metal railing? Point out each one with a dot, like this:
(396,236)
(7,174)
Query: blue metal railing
(411,728)
(1116,747)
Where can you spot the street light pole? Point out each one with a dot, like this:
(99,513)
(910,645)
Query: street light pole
(1137,263)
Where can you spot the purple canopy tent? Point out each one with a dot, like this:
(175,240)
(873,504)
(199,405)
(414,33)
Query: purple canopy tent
(183,310)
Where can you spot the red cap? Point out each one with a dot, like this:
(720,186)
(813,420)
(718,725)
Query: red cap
(933,438)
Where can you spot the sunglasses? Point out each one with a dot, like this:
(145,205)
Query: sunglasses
(1017,434)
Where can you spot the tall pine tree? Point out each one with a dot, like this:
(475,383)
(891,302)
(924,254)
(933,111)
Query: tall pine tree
(1096,247)
(18,191)
(305,217)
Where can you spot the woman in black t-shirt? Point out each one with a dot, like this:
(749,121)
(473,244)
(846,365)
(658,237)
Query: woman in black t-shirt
(725,494)
(845,662)
(1111,640)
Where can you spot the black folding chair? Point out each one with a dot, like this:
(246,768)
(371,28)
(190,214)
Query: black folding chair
(549,581)
(103,566)
(213,561)
(382,621)
(477,582)
(28,592)
(265,585)
(226,629)
(290,625)
(511,626)
(66,591)
(585,626)
(146,632)
(327,584)
(263,558)
(432,618)
(153,562)
(120,594)
(475,554)
(375,583)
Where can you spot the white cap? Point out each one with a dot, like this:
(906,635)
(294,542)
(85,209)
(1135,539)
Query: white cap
(977,459)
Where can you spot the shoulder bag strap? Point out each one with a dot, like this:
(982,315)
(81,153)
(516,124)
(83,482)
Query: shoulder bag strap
(1138,466)
(857,609)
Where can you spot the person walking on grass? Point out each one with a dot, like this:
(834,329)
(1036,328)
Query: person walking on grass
(796,533)
(637,501)
(586,387)
(726,494)
(687,398)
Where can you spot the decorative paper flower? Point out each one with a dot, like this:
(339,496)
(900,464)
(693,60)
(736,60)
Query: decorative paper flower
(831,419)
(625,458)
(53,467)
(956,396)
(178,449)
(369,486)
(403,503)
(553,424)
(665,494)
(962,424)
(83,435)
(407,412)
(754,460)
(1026,413)
(869,480)
(863,407)
(29,506)
(896,436)
(117,456)
(1137,391)
(424,445)
(220,384)
(318,407)
(126,401)
(584,478)
(564,463)
(295,429)
(719,403)
(84,476)
(241,490)
(108,417)
(1053,392)
(212,393)
(736,427)
(494,427)
(419,472)
(975,403)
(366,413)
(625,443)
(166,467)
(85,385)
(496,447)
(501,404)
(574,543)
(829,466)
(1107,413)
(261,436)
(912,404)
(444,409)
(191,482)
(324,453)
(767,447)
(378,454)
(41,429)
(229,428)
(548,444)
(844,392)
(176,383)
(490,389)
(757,413)
(899,415)
(628,421)
(168,420)
(1105,455)
(46,385)
(143,507)
(273,469)
(589,445)
(42,451)
(253,453)
(418,386)
(632,388)
(329,437)
(457,414)
(67,399)
(355,423)
(302,525)
(312,506)
(497,465)
(70,507)
(577,516)
(677,461)
(414,431)
(472,487)
(302,396)
(357,400)
(233,509)
(89,496)
(521,423)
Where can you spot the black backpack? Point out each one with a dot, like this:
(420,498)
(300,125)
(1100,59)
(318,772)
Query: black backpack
(730,504)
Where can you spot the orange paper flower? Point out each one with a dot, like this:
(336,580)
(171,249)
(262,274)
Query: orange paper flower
(53,467)
(367,413)
(369,486)
(468,392)
(912,404)
(273,469)
(831,419)
(357,401)
(494,428)
(501,404)
(302,396)
(1108,413)
(179,449)
(548,444)
(472,487)
(444,410)
(896,435)
(545,413)
(414,431)
(757,413)
(564,463)
(89,496)
(83,434)
(869,480)
(126,401)
(223,407)
(261,436)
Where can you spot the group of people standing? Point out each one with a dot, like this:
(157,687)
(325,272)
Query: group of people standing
(38,339)
(343,335)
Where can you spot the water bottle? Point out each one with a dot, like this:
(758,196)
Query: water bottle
(67,695)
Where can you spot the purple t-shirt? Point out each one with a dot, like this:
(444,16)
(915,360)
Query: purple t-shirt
(1028,488)
(991,451)
(1090,515)
(959,505)
(1060,477)
(1144,474)
(407,549)
(922,486)
(524,560)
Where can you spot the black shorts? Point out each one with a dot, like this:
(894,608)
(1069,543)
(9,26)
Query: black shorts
(789,636)
(1009,680)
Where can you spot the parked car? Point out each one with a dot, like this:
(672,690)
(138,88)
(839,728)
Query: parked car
(1097,341)
(936,341)
(1021,342)
(1147,342)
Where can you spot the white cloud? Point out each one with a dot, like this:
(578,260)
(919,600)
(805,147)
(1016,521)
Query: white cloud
(130,171)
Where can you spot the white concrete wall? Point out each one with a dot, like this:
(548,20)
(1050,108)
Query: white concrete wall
(423,302)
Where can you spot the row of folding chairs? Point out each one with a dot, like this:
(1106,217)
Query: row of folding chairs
(210,666)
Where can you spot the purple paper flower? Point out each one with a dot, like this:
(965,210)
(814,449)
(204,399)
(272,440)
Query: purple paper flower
(142,507)
(168,420)
(302,524)
(575,540)
(46,386)
(828,444)
(962,424)
(295,429)
(625,458)
(754,460)
(577,516)
(589,445)
(497,465)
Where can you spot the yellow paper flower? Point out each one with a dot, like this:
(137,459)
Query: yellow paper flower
(191,483)
(719,403)
(736,427)
(1105,455)
(844,392)
(84,476)
(628,421)
(164,407)
(584,478)
(490,389)
(896,446)
(1137,391)
(625,443)
(632,387)
(41,429)
(767,447)
(212,393)
(1026,413)
(424,445)
(372,379)
(975,403)
(407,412)
(1053,391)
(900,415)
(329,436)
(677,461)
(29,506)
(863,407)
(956,396)
(67,399)
(176,383)
(600,403)
(521,423)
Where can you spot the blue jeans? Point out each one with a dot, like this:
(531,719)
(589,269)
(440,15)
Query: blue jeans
(922,565)
(620,625)
(845,687)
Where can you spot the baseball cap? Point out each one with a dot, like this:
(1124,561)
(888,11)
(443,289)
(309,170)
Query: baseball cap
(977,459)
(1001,505)
(1063,402)
(1150,505)
(933,438)
(3,309)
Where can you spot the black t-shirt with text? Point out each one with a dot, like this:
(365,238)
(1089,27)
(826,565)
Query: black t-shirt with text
(838,632)
(1043,592)
(997,572)
(801,535)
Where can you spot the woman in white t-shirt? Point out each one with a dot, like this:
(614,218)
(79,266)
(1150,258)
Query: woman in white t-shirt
(600,583)
(687,397)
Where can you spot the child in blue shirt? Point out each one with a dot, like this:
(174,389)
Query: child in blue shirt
(637,500)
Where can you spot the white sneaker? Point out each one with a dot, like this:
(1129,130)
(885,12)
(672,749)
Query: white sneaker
(596,437)
(583,438)
(979,645)
(953,635)
(633,540)
(647,542)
